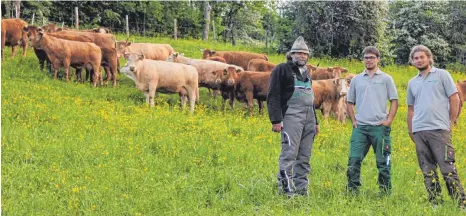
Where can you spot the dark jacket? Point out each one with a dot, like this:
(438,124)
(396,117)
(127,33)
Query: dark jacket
(281,89)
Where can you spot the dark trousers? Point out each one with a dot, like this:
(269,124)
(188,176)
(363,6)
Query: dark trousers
(434,148)
(362,138)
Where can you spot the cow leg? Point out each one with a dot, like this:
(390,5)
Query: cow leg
(13,51)
(192,99)
(56,67)
(152,90)
(108,75)
(183,97)
(250,101)
(79,77)
(113,71)
(25,47)
(146,93)
(326,108)
(67,69)
(97,75)
(261,106)
(232,100)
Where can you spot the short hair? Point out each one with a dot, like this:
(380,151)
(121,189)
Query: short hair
(371,50)
(421,48)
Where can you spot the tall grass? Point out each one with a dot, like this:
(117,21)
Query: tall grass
(69,149)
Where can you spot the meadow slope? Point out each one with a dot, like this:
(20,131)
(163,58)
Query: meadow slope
(69,149)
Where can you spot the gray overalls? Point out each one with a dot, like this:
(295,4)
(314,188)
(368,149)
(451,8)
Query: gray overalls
(297,138)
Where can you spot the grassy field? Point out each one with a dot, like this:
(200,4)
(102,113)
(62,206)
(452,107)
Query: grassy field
(69,149)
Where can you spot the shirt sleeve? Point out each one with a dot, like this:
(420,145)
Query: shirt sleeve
(409,96)
(274,97)
(351,96)
(448,84)
(391,89)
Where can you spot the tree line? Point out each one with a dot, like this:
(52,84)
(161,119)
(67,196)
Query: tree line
(339,29)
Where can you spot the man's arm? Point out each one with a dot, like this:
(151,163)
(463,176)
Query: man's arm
(410,121)
(392,112)
(454,108)
(350,111)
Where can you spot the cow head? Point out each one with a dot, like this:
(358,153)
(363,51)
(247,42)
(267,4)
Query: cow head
(342,84)
(122,47)
(207,53)
(35,35)
(133,61)
(31,32)
(173,57)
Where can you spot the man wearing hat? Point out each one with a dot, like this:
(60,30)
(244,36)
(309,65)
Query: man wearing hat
(290,102)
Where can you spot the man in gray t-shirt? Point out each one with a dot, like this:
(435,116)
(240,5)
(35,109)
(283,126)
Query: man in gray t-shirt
(370,91)
(433,104)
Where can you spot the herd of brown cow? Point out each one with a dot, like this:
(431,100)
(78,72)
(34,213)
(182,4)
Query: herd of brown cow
(239,76)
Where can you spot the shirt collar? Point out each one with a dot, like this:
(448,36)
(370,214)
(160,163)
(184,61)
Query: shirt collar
(378,72)
(432,70)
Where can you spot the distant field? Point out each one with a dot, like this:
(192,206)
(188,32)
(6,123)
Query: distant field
(69,149)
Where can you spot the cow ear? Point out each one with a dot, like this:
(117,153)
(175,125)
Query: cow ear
(238,70)
(141,56)
(330,69)
(128,43)
(344,70)
(225,71)
(175,54)
(25,28)
(212,52)
(40,30)
(214,73)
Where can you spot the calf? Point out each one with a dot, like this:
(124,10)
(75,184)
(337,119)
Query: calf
(150,51)
(205,68)
(234,57)
(328,94)
(260,65)
(13,35)
(161,76)
(69,53)
(318,73)
(107,44)
(246,86)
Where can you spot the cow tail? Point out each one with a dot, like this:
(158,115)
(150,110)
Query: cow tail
(197,93)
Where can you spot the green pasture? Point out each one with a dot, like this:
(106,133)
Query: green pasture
(70,149)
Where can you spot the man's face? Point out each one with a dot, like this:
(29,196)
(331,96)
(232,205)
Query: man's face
(300,58)
(370,61)
(420,60)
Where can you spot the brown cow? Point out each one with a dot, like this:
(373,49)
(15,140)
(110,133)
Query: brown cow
(246,86)
(150,51)
(13,35)
(260,65)
(31,32)
(50,28)
(166,77)
(234,57)
(461,86)
(217,58)
(205,68)
(106,42)
(328,94)
(69,53)
(318,73)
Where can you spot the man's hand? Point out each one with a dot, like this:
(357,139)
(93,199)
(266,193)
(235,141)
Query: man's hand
(386,123)
(355,124)
(277,127)
(317,129)
(411,136)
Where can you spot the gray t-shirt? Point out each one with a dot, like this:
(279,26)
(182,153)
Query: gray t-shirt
(430,97)
(370,95)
